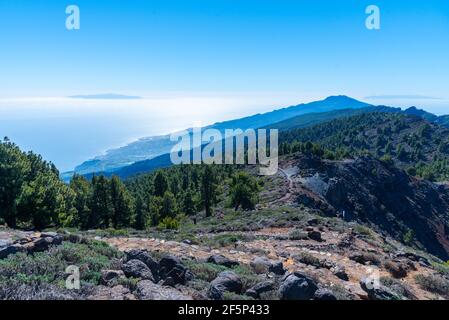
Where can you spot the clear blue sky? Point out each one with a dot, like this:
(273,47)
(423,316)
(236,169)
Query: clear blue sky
(213,59)
(139,46)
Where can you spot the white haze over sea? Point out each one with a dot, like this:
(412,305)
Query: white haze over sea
(69,131)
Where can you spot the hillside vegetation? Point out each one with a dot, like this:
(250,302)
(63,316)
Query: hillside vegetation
(411,142)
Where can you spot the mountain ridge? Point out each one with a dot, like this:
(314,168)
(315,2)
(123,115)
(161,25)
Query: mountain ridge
(152,147)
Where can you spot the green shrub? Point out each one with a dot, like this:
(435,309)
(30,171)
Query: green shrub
(49,267)
(234,296)
(224,240)
(442,268)
(308,259)
(247,275)
(364,231)
(205,271)
(169,223)
(409,237)
(297,235)
(433,283)
(397,287)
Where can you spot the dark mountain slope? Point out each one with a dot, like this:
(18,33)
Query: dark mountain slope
(152,147)
(443,120)
(412,142)
(261,120)
(375,192)
(311,119)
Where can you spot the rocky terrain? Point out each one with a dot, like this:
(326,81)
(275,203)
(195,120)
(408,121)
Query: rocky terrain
(371,191)
(326,230)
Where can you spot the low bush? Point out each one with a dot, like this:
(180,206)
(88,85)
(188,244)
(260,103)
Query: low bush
(433,283)
(47,269)
(397,287)
(308,259)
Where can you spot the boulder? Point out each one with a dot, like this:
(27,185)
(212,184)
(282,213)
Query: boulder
(277,268)
(42,244)
(315,235)
(297,286)
(111,277)
(5,243)
(48,234)
(172,267)
(146,258)
(168,262)
(260,288)
(11,249)
(222,261)
(313,222)
(365,258)
(29,247)
(260,265)
(377,291)
(340,273)
(214,293)
(137,269)
(324,294)
(57,240)
(228,281)
(147,290)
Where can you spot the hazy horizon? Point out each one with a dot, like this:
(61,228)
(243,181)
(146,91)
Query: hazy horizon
(70,131)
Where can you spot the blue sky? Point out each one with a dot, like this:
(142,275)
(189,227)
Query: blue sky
(205,60)
(139,46)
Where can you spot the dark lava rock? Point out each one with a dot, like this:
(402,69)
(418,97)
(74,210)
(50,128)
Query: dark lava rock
(137,269)
(214,293)
(315,235)
(390,199)
(228,281)
(111,277)
(146,258)
(324,294)
(171,266)
(377,291)
(42,244)
(365,258)
(340,272)
(260,288)
(297,286)
(262,265)
(6,251)
(277,268)
(222,261)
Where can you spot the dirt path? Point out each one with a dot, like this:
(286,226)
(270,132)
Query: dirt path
(287,173)
(274,248)
(271,248)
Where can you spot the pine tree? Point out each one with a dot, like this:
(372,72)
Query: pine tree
(189,203)
(82,190)
(208,189)
(141,215)
(14,167)
(244,191)
(169,206)
(121,203)
(160,184)
(101,208)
